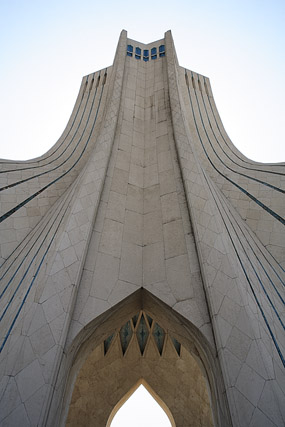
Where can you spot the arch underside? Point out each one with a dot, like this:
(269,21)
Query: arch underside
(183,380)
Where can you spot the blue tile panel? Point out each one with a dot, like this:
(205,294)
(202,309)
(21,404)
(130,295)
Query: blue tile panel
(108,342)
(126,333)
(177,345)
(142,334)
(142,328)
(159,336)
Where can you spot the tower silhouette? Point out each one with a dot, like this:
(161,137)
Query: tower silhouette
(143,247)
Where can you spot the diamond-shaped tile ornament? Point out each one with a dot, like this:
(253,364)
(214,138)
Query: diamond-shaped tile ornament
(107,343)
(135,319)
(159,336)
(142,334)
(177,345)
(126,333)
(149,319)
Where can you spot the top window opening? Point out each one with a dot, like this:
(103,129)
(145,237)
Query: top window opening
(193,83)
(161,50)
(146,55)
(138,53)
(130,50)
(153,53)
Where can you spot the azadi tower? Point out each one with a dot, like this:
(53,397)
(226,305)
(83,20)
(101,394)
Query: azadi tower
(143,247)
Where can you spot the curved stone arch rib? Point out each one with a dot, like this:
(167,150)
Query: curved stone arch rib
(155,396)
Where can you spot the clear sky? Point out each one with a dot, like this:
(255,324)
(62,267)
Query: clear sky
(134,413)
(47,46)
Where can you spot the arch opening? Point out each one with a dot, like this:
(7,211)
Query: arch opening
(142,400)
(184,372)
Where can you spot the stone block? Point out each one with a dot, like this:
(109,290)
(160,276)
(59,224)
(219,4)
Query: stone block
(153,263)
(131,264)
(133,229)
(170,207)
(174,240)
(105,276)
(111,239)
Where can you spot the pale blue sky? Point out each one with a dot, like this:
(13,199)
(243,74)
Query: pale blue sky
(135,414)
(46,48)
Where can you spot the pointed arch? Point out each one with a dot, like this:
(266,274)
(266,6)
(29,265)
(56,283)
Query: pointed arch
(132,390)
(199,355)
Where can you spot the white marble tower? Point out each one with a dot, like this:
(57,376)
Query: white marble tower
(143,246)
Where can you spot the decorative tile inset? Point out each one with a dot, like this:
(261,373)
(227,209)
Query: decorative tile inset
(107,343)
(142,334)
(159,335)
(125,336)
(135,319)
(149,320)
(177,345)
(141,324)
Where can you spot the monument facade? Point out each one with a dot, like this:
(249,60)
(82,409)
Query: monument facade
(143,247)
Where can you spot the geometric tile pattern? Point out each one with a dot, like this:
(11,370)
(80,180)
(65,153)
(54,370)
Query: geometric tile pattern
(141,327)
